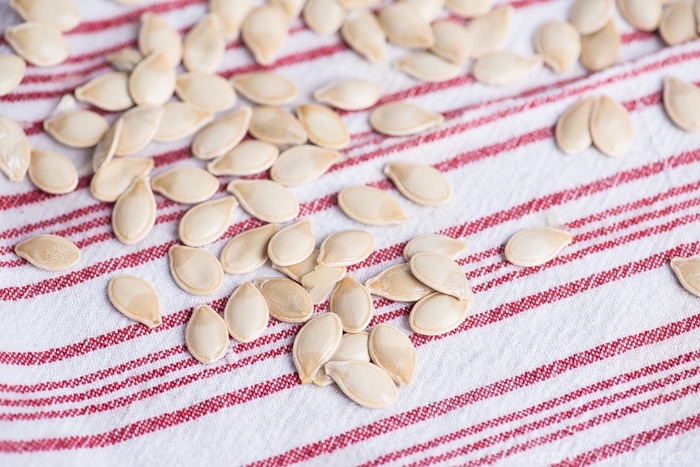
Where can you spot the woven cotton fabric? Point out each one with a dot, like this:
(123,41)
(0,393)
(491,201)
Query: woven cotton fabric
(592,358)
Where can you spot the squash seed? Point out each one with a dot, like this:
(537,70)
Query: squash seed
(221,135)
(398,283)
(276,126)
(346,247)
(324,127)
(76,129)
(107,146)
(572,133)
(204,45)
(49,252)
(451,41)
(297,271)
(589,16)
(301,164)
(437,314)
(206,335)
(188,185)
(232,14)
(315,344)
(349,94)
(644,15)
(487,33)
(210,92)
(247,251)
(248,158)
(52,172)
(403,119)
(600,49)
(678,24)
(155,35)
(62,14)
(353,347)
(136,299)
(12,68)
(291,8)
(125,59)
(140,126)
(265,200)
(611,127)
(287,300)
(15,155)
(559,44)
(502,68)
(428,9)
(536,246)
(114,178)
(364,34)
(265,88)
(134,213)
(392,351)
(468,8)
(363,382)
(323,16)
(206,222)
(687,271)
(405,27)
(370,205)
(153,80)
(426,66)
(292,244)
(352,302)
(196,271)
(180,120)
(681,102)
(322,280)
(420,183)
(440,273)
(246,313)
(434,243)
(109,91)
(264,32)
(40,44)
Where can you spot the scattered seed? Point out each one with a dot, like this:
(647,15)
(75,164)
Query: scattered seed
(428,67)
(264,32)
(76,129)
(611,127)
(210,92)
(346,247)
(392,351)
(437,314)
(398,283)
(248,158)
(353,347)
(114,178)
(403,118)
(265,200)
(324,127)
(204,45)
(291,8)
(559,44)
(352,302)
(287,300)
(134,213)
(644,15)
(349,94)
(49,252)
(363,382)
(370,205)
(322,280)
(589,16)
(140,126)
(156,35)
(434,243)
(468,8)
(40,44)
(682,101)
(52,172)
(12,68)
(301,164)
(292,244)
(428,9)
(502,68)
(246,313)
(265,88)
(487,33)
(15,155)
(324,16)
(107,146)
(364,34)
(232,14)
(180,120)
(153,80)
(572,133)
(247,251)
(297,271)
(276,126)
(221,135)
(536,246)
(687,271)
(405,27)
(136,299)
(206,222)
(125,59)
(206,335)
(109,91)
(420,183)
(678,23)
(440,273)
(314,345)
(188,185)
(451,41)
(196,271)
(62,14)
(600,49)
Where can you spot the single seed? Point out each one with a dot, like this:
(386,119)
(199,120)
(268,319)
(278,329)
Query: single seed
(600,49)
(353,347)
(301,164)
(136,299)
(204,45)
(125,59)
(153,80)
(206,335)
(345,248)
(487,33)
(297,271)
(210,92)
(687,271)
(322,280)
(451,41)
(40,44)
(287,300)
(503,68)
(403,119)
(352,302)
(265,200)
(292,244)
(434,243)
(589,16)
(180,120)
(221,135)
(109,91)
(349,94)
(248,158)
(611,127)
(559,44)
(107,146)
(468,8)
(247,251)
(428,67)
(188,185)
(644,15)
(155,35)
(315,344)
(76,129)
(49,252)
(678,23)
(363,382)
(12,68)
(62,14)
(428,9)
(291,8)
(276,126)
(405,27)
(681,102)
(116,176)
(440,273)
(265,88)
(572,133)
(264,32)
(420,183)
(140,126)
(246,313)
(536,246)
(364,34)
(134,213)
(232,14)
(195,270)
(398,283)
(323,16)
(52,172)
(324,127)
(15,155)
(437,314)
(206,222)
(370,205)
(392,351)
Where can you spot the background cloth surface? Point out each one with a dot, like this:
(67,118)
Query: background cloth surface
(591,358)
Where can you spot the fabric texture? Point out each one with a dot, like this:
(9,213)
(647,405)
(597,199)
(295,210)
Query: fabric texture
(592,358)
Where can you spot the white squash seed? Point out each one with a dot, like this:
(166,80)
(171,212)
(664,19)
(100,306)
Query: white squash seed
(116,176)
(292,244)
(678,23)
(52,172)
(611,127)
(687,271)
(600,49)
(398,283)
(420,183)
(76,129)
(188,185)
(204,45)
(125,59)
(323,16)
(15,155)
(536,246)
(287,300)
(437,314)
(206,222)
(206,335)
(315,344)
(589,16)
(134,213)
(49,252)
(644,15)
(210,92)
(265,200)
(392,351)
(434,243)
(370,205)
(12,68)
(681,102)
(428,9)
(40,44)
(346,247)
(451,41)
(195,270)
(246,313)
(140,126)
(221,135)
(428,67)
(247,251)
(559,44)
(291,8)
(232,14)
(276,126)
(349,94)
(322,280)
(264,33)
(440,273)
(403,119)
(247,158)
(324,127)
(487,33)
(62,14)
(107,146)
(136,299)
(265,87)
(109,91)
(364,34)
(405,27)
(363,382)
(153,80)
(156,35)
(352,302)
(297,271)
(502,68)
(180,120)
(353,347)
(572,132)
(468,8)
(301,164)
